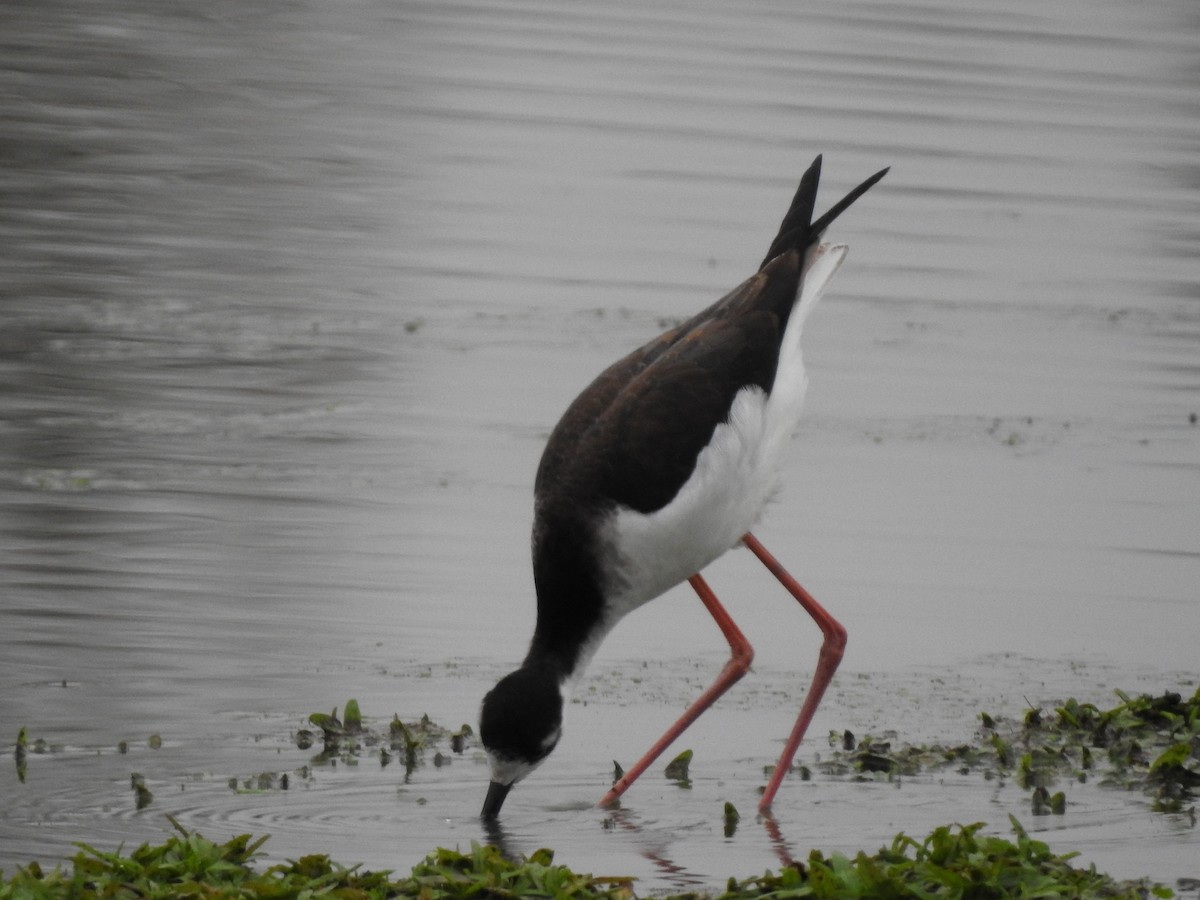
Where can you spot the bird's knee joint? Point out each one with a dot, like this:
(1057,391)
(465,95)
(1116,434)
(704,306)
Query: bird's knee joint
(834,644)
(744,656)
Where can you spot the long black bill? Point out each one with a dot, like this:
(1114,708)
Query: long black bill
(494,800)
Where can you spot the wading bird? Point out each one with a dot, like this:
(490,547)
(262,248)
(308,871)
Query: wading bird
(662,464)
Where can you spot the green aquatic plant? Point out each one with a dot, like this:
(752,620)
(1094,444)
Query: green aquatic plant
(1147,743)
(458,739)
(352,717)
(330,725)
(141,794)
(20,752)
(352,737)
(731,817)
(265,782)
(677,769)
(953,861)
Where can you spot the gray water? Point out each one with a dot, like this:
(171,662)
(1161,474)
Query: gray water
(291,295)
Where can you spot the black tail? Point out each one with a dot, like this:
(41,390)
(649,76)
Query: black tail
(798,231)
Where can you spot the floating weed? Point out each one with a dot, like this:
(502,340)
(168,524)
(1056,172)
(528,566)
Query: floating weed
(677,769)
(265,782)
(331,727)
(1045,803)
(347,739)
(352,718)
(20,752)
(142,797)
(876,756)
(954,861)
(458,739)
(1004,751)
(1146,743)
(731,817)
(402,737)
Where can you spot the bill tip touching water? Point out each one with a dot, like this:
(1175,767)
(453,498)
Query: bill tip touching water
(658,467)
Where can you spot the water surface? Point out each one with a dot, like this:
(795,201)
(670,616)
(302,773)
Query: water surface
(292,295)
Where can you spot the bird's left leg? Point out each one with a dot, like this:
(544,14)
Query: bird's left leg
(832,647)
(741,655)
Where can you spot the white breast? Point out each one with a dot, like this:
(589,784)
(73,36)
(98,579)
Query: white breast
(735,475)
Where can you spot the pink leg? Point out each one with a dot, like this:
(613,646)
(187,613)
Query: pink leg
(739,663)
(827,662)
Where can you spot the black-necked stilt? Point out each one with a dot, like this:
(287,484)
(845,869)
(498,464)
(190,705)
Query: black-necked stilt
(661,465)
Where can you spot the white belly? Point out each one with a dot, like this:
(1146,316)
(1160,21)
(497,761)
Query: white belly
(735,476)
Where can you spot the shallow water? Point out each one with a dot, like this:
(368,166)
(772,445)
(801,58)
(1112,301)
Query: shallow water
(292,296)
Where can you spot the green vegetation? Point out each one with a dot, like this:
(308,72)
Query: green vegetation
(953,862)
(1145,743)
(20,752)
(677,769)
(189,865)
(348,738)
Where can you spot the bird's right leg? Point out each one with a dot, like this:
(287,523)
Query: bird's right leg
(741,655)
(832,647)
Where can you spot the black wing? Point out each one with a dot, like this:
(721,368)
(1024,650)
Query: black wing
(633,436)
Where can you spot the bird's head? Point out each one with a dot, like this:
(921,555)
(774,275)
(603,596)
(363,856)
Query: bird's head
(520,724)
